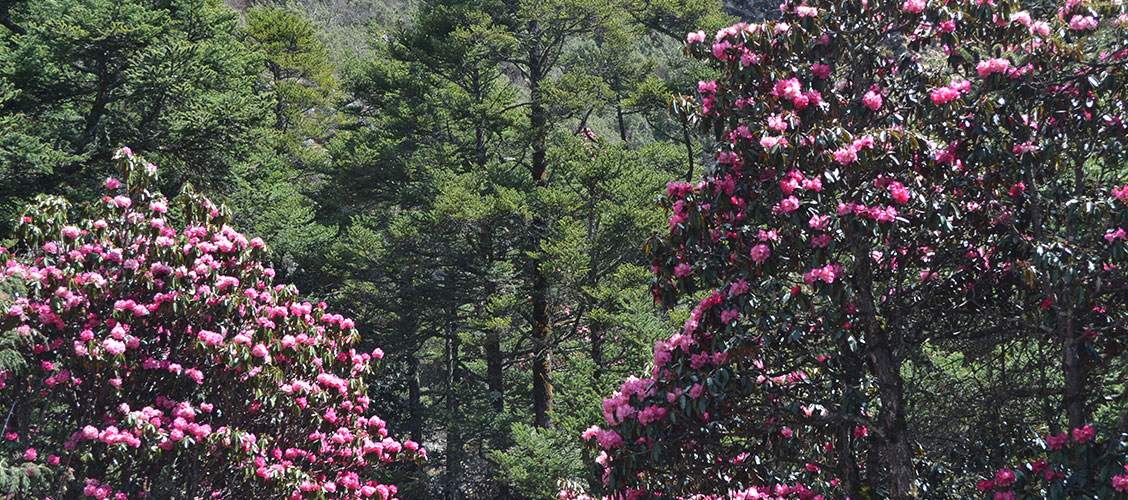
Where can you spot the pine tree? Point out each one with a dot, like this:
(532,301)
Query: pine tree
(81,78)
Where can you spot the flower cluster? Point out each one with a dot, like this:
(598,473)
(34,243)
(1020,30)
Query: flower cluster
(858,197)
(1067,454)
(172,351)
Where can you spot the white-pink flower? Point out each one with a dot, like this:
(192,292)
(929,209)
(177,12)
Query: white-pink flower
(113,346)
(789,204)
(845,155)
(1082,23)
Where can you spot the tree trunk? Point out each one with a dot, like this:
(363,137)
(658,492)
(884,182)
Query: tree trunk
(1076,371)
(622,124)
(898,452)
(847,467)
(494,372)
(596,334)
(542,352)
(494,376)
(1073,365)
(98,107)
(415,408)
(6,20)
(898,456)
(454,426)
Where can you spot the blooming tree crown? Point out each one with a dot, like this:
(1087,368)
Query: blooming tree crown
(883,168)
(164,361)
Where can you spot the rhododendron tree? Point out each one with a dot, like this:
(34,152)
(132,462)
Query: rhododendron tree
(889,176)
(161,360)
(1070,465)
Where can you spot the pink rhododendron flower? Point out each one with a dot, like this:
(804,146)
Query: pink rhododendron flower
(1117,234)
(899,193)
(805,11)
(1083,434)
(913,6)
(943,95)
(1056,442)
(682,270)
(608,439)
(788,205)
(1120,483)
(696,391)
(768,142)
(1121,193)
(1082,23)
(988,67)
(720,50)
(1040,28)
(1004,477)
(872,100)
(821,71)
(787,89)
(113,346)
(846,155)
(760,253)
(777,123)
(651,414)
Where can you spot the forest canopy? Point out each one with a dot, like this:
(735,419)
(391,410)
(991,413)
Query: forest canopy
(568,249)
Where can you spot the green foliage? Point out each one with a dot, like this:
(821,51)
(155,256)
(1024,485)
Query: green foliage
(446,124)
(274,197)
(537,459)
(346,27)
(299,73)
(273,191)
(82,77)
(403,183)
(21,476)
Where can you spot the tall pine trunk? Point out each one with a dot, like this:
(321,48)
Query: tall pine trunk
(454,425)
(414,405)
(542,351)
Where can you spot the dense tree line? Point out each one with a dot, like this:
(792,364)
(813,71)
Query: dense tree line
(477,184)
(472,184)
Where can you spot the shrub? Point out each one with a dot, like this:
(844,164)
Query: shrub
(160,360)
